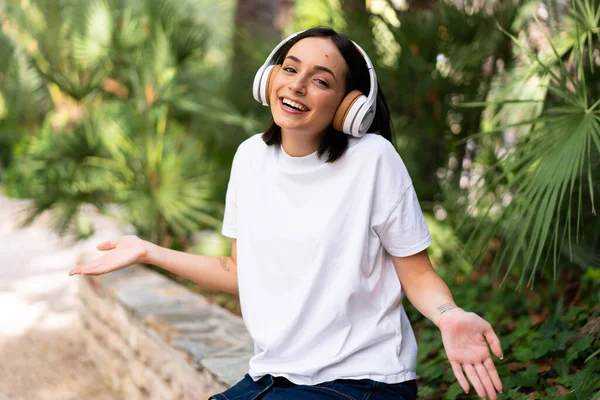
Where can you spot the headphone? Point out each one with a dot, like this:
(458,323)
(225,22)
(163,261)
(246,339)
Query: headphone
(354,115)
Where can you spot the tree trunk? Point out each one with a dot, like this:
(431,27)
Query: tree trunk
(256,17)
(258,28)
(415,5)
(354,6)
(358,25)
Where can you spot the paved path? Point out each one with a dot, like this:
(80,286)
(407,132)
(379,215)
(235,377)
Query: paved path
(41,356)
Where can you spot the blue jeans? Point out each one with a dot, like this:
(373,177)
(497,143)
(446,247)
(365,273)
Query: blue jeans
(276,388)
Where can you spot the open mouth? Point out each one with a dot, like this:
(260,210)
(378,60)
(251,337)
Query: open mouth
(294,106)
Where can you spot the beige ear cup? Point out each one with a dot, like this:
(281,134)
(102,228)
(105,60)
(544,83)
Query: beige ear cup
(342,111)
(270,80)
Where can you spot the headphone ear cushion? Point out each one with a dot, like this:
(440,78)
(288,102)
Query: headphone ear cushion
(272,74)
(342,112)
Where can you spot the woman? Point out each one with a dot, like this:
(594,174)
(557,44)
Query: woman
(330,237)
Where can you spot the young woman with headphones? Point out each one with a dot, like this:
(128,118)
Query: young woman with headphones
(327,237)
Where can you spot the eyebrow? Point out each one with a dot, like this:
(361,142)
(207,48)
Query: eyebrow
(317,67)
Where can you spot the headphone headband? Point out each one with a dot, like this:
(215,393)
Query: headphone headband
(372,75)
(355,115)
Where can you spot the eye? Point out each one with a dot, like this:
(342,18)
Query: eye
(322,82)
(289,69)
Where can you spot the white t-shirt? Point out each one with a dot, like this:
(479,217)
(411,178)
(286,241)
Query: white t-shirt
(318,291)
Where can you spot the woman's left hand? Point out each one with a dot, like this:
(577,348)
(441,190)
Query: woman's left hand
(466,336)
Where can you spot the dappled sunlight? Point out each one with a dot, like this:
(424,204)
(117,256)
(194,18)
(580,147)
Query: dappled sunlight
(49,364)
(56,259)
(43,356)
(17,314)
(53,283)
(58,321)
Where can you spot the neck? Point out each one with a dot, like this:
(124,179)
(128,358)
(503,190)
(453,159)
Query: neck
(298,144)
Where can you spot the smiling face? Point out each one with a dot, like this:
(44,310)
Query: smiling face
(309,87)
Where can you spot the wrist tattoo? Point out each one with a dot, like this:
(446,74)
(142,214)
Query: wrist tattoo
(446,307)
(223,261)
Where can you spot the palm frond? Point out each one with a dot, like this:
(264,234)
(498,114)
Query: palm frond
(548,172)
(544,183)
(24,93)
(92,38)
(584,21)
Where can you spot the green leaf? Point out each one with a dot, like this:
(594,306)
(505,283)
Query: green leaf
(524,354)
(572,313)
(453,391)
(529,377)
(565,380)
(594,354)
(579,346)
(584,343)
(543,347)
(561,366)
(563,338)
(432,371)
(523,328)
(587,381)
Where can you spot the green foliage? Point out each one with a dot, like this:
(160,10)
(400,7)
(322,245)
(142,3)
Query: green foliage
(545,348)
(446,248)
(157,177)
(430,61)
(125,77)
(549,174)
(51,168)
(23,97)
(311,13)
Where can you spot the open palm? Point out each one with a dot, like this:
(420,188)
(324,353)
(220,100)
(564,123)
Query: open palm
(126,251)
(466,337)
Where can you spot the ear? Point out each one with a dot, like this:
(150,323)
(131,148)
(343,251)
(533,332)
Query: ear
(272,74)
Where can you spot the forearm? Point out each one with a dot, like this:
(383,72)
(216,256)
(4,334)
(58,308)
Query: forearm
(430,295)
(218,273)
(423,287)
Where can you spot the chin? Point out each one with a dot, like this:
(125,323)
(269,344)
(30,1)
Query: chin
(283,123)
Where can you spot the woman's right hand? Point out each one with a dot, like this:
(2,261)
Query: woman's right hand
(121,253)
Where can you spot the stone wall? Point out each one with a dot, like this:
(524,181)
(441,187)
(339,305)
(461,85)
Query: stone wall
(154,339)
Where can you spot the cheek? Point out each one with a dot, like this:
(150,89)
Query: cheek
(273,98)
(277,84)
(328,104)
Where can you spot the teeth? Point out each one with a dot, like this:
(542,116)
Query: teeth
(294,104)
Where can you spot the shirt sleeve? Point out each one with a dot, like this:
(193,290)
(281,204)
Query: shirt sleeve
(405,232)
(396,216)
(229,228)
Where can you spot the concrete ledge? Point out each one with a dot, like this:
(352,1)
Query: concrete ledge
(154,339)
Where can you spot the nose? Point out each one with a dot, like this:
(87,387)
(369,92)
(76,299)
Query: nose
(298,85)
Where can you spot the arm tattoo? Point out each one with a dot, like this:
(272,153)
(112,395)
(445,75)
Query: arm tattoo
(223,261)
(446,307)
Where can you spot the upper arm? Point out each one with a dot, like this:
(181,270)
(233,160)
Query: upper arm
(412,267)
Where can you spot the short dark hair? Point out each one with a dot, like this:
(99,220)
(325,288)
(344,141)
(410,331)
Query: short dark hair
(334,142)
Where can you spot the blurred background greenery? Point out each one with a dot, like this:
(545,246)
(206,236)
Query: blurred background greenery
(136,107)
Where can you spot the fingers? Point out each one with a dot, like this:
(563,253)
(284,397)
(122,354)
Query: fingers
(90,269)
(474,378)
(493,373)
(462,381)
(87,269)
(494,342)
(487,382)
(108,245)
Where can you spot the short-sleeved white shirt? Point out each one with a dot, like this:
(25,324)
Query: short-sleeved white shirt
(318,291)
